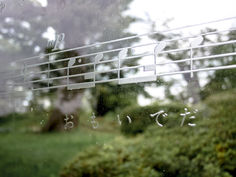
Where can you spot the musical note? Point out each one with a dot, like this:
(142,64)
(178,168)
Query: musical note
(159,47)
(70,64)
(90,75)
(50,43)
(130,77)
(97,58)
(122,54)
(58,41)
(196,42)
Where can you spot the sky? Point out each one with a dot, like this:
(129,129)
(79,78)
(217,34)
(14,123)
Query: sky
(182,13)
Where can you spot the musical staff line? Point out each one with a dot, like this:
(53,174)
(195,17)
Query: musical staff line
(127,58)
(115,80)
(135,67)
(164,74)
(131,47)
(128,38)
(114,50)
(98,63)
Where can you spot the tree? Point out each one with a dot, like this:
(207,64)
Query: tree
(193,88)
(102,20)
(222,80)
(112,97)
(86,21)
(108,97)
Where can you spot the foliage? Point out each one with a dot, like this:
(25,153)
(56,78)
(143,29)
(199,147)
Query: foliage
(24,153)
(221,80)
(9,117)
(93,21)
(112,97)
(192,89)
(141,118)
(209,149)
(15,122)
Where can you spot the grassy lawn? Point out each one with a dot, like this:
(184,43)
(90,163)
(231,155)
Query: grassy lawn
(24,154)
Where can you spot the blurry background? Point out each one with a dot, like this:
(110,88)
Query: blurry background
(35,137)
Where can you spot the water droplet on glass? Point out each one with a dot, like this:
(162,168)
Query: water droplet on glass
(42,122)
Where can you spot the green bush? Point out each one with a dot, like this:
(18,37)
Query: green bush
(10,117)
(28,121)
(207,150)
(141,118)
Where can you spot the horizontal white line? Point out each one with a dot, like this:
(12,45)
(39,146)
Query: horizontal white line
(66,59)
(127,58)
(164,74)
(127,38)
(81,85)
(132,47)
(158,75)
(131,67)
(137,79)
(199,70)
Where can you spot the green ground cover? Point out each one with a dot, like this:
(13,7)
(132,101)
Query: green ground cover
(25,153)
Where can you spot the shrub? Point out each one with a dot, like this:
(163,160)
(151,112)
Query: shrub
(207,150)
(141,118)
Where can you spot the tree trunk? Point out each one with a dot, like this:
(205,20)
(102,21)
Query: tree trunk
(66,106)
(193,86)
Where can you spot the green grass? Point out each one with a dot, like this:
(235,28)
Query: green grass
(23,153)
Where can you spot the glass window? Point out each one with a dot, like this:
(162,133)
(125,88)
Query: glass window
(119,88)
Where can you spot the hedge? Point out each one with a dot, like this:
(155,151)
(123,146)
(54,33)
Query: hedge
(207,150)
